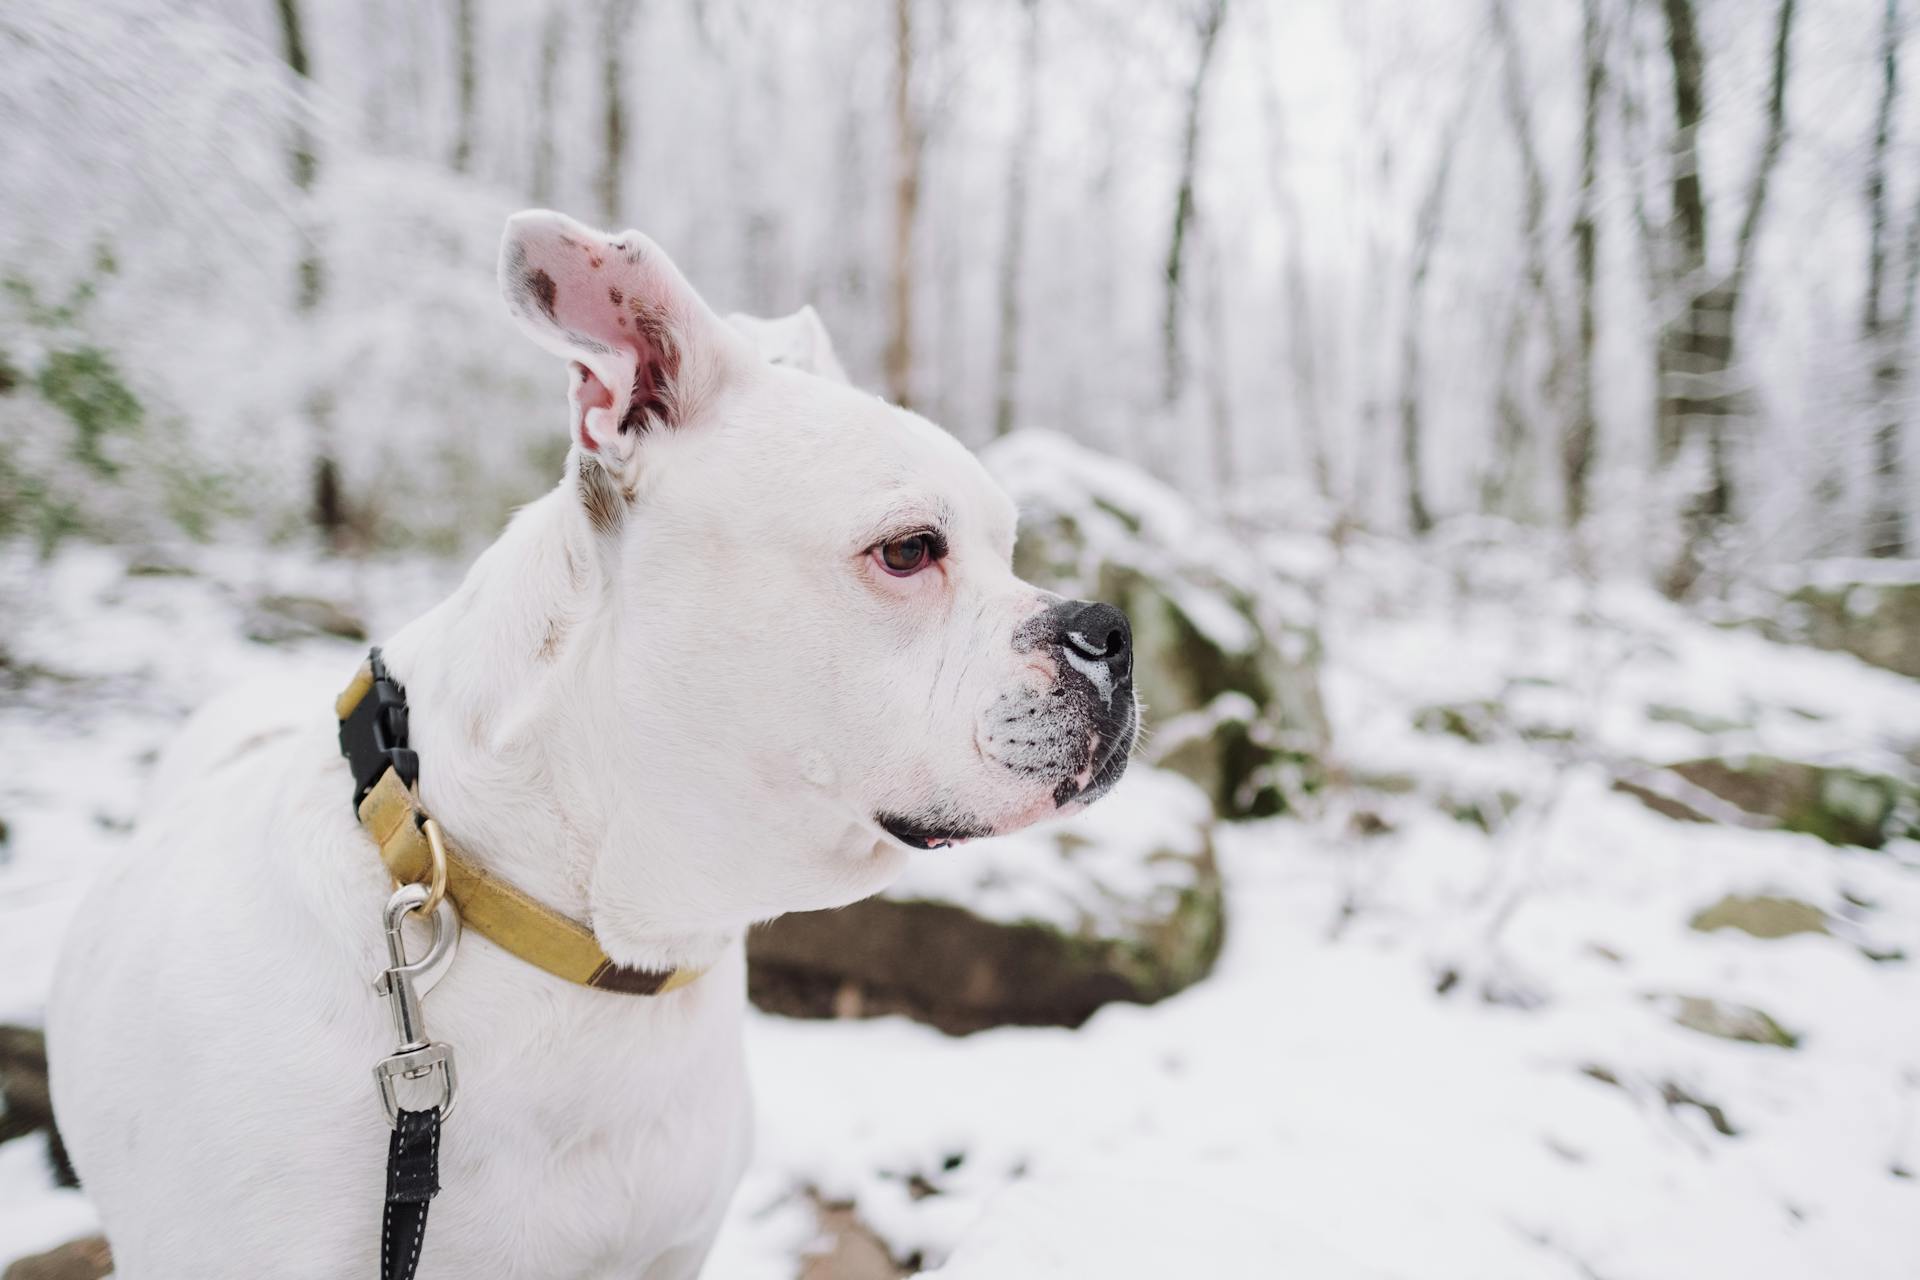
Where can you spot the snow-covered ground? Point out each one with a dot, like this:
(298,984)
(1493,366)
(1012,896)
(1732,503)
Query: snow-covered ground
(1429,1050)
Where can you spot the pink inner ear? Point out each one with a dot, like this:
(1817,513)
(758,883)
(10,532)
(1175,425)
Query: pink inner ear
(588,393)
(610,305)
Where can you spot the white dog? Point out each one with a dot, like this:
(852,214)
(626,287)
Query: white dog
(761,641)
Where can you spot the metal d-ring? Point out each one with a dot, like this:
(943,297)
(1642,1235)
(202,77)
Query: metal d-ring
(437,874)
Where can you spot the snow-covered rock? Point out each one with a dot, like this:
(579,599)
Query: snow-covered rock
(1121,902)
(1840,805)
(1226,653)
(1868,608)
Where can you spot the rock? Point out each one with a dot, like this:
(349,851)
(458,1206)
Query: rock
(278,619)
(1672,796)
(1671,1092)
(25,1104)
(1121,902)
(1841,806)
(1677,1095)
(1731,1021)
(1225,651)
(1701,722)
(848,1249)
(1474,722)
(86,1259)
(1488,810)
(1761,917)
(1661,802)
(1870,610)
(157,564)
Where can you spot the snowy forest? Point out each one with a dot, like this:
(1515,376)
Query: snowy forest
(1500,419)
(1640,269)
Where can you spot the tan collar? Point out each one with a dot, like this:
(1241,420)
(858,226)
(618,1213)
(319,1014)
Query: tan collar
(489,906)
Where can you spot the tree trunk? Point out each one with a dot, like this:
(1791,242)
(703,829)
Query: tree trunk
(466,76)
(1013,253)
(552,34)
(1697,394)
(1576,448)
(1302,332)
(1426,233)
(1886,524)
(1535,314)
(1172,364)
(616,20)
(908,152)
(1684,263)
(1888,466)
(1219,377)
(329,506)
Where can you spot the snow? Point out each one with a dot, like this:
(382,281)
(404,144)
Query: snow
(1319,1106)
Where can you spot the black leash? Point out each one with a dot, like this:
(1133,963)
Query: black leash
(373,738)
(413,1179)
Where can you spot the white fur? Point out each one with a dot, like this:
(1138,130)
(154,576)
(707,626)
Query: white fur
(670,729)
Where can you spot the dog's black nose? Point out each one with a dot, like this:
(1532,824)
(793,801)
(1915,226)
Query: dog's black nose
(1098,633)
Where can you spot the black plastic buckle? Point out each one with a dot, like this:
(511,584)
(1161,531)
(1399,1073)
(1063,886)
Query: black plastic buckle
(373,737)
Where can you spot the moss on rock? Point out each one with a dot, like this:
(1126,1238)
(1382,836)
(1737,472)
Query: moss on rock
(1839,805)
(1877,622)
(1730,1021)
(1762,917)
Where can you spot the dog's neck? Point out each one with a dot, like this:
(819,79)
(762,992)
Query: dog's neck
(513,746)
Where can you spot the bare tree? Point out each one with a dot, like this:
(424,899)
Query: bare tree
(1696,350)
(1426,234)
(466,77)
(1211,18)
(1013,251)
(329,507)
(1218,376)
(616,21)
(909,153)
(1888,468)
(1535,315)
(1886,341)
(1577,444)
(552,34)
(1302,331)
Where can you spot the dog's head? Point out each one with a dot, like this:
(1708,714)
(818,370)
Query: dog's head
(813,635)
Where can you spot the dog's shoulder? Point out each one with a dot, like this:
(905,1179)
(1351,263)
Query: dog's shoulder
(235,729)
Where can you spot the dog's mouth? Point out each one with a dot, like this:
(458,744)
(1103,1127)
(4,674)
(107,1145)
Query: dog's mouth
(1107,752)
(1107,763)
(918,833)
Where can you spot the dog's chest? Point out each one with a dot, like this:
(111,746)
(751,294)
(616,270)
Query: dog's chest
(593,1134)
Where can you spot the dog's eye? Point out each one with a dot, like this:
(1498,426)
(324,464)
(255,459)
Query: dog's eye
(906,556)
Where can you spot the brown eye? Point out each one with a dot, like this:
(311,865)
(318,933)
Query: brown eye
(905,556)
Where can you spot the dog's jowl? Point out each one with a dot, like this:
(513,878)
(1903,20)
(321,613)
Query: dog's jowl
(760,642)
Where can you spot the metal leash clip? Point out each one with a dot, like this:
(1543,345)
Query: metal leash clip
(401,985)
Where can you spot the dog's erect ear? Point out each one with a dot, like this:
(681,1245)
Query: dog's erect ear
(646,350)
(798,341)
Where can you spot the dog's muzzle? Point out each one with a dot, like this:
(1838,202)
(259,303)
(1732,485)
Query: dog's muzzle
(1080,731)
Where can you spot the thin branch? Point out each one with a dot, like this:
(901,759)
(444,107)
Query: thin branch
(1173,367)
(1770,153)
